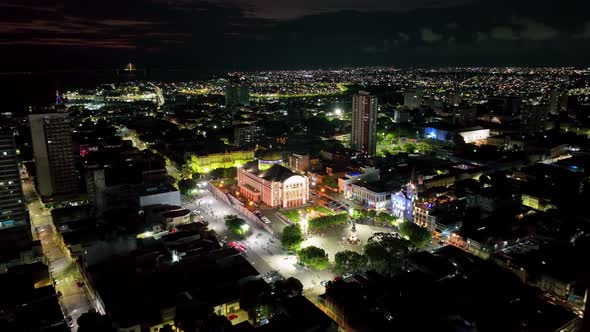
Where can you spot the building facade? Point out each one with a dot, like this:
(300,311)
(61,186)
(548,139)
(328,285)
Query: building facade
(209,162)
(363,136)
(53,151)
(248,135)
(299,162)
(276,187)
(371,196)
(13,211)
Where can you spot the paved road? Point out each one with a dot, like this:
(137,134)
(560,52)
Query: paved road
(74,301)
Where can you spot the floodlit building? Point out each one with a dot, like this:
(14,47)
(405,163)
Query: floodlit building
(363,136)
(13,211)
(276,186)
(471,135)
(371,195)
(53,151)
(204,163)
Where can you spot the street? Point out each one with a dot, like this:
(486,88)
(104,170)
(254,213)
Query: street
(63,271)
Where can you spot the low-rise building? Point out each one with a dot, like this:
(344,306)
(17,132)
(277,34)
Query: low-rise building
(158,195)
(204,163)
(537,203)
(373,195)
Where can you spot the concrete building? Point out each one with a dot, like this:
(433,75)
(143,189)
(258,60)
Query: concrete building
(533,118)
(369,174)
(276,187)
(13,211)
(363,136)
(413,98)
(537,203)
(371,195)
(159,195)
(472,135)
(53,151)
(401,116)
(237,95)
(299,162)
(558,101)
(247,135)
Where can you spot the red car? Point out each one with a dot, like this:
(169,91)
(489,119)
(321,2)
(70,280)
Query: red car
(240,247)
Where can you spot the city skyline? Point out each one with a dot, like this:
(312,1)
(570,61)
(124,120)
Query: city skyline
(294,165)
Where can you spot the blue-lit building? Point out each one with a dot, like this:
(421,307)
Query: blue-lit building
(402,203)
(436,133)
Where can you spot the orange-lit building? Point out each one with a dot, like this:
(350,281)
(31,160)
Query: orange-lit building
(276,186)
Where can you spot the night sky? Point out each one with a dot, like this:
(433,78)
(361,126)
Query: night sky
(251,34)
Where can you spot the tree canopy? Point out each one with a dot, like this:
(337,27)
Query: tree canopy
(349,261)
(417,235)
(292,237)
(236,225)
(187,186)
(388,254)
(386,218)
(289,287)
(313,257)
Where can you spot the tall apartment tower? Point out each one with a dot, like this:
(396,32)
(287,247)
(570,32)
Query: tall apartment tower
(413,98)
(237,95)
(53,151)
(13,211)
(364,123)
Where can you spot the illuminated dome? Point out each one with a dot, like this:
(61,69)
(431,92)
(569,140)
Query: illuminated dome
(269,158)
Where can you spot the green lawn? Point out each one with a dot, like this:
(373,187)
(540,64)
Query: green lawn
(312,212)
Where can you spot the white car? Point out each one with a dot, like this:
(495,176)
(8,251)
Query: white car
(265,219)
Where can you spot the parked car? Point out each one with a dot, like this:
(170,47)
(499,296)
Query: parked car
(265,219)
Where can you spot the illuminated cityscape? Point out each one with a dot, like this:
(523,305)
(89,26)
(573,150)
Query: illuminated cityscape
(179,166)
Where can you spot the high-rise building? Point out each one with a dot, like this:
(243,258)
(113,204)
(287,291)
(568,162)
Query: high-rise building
(413,98)
(533,118)
(247,135)
(13,211)
(364,123)
(237,95)
(557,101)
(53,151)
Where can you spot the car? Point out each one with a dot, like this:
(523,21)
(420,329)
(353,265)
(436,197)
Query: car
(324,282)
(238,246)
(196,212)
(265,219)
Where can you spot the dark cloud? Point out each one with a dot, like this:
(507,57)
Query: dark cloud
(290,33)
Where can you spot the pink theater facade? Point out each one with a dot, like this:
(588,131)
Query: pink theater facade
(276,187)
